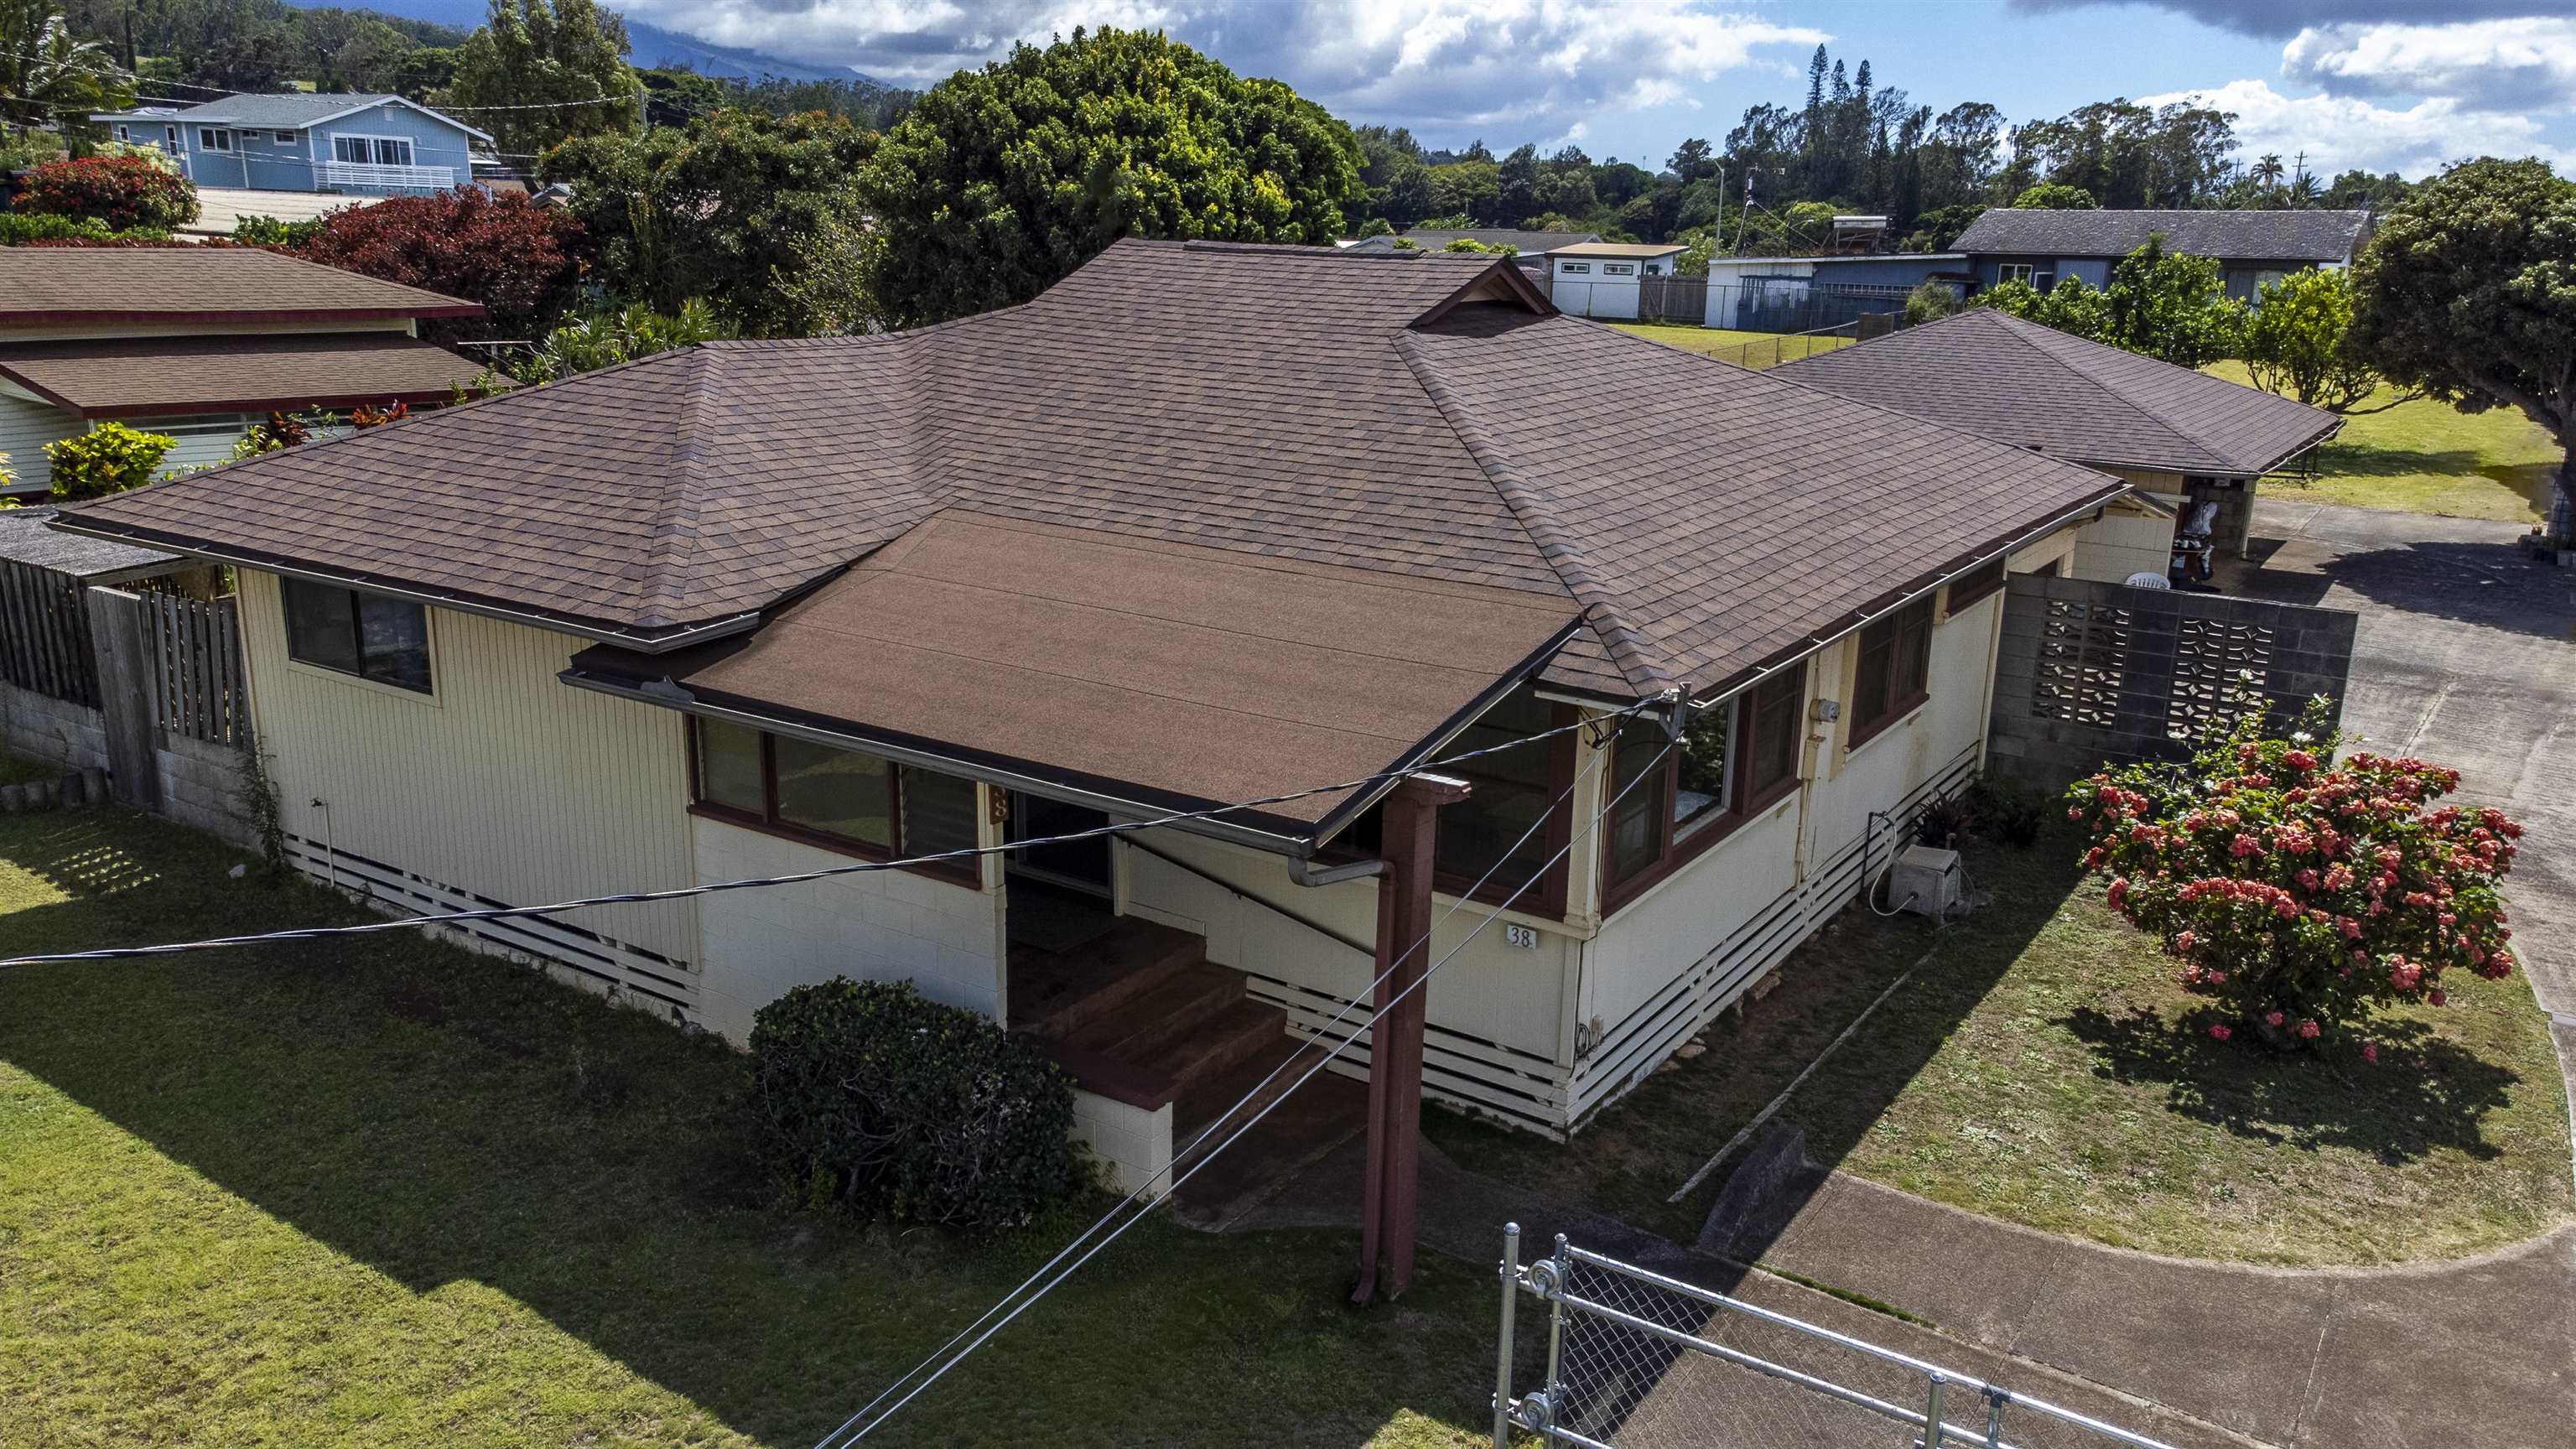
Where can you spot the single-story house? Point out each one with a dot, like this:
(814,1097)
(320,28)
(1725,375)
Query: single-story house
(1601,279)
(2008,244)
(1529,248)
(200,343)
(1203,523)
(1804,294)
(360,145)
(2183,437)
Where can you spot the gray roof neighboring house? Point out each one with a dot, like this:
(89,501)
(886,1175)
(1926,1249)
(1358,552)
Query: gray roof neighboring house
(1389,413)
(2270,236)
(1527,243)
(292,111)
(2034,387)
(25,539)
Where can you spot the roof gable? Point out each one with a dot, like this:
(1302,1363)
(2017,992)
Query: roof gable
(2038,388)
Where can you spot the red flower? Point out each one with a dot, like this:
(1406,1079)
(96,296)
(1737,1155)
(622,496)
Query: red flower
(2273,1017)
(2370,1051)
(2219,1030)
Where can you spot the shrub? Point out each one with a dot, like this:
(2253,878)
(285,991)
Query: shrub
(2299,893)
(2008,811)
(871,1098)
(1930,302)
(17,228)
(268,231)
(520,260)
(109,458)
(123,191)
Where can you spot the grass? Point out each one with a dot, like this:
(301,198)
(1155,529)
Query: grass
(1727,343)
(382,1191)
(2429,457)
(2043,1067)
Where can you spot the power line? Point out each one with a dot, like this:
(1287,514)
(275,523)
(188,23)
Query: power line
(1217,1123)
(837,1437)
(973,852)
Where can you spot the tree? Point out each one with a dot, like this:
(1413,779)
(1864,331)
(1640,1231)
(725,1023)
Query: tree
(2051,196)
(1692,160)
(2172,306)
(605,339)
(2467,291)
(723,210)
(520,260)
(566,52)
(2300,893)
(50,74)
(124,192)
(1002,180)
(2298,343)
(109,458)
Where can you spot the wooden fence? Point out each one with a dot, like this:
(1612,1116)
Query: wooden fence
(44,634)
(1682,300)
(190,661)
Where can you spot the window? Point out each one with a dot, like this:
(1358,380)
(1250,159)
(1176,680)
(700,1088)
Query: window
(366,635)
(172,133)
(1654,270)
(121,134)
(2012,272)
(1618,269)
(1895,662)
(1489,836)
(371,150)
(844,799)
(1736,759)
(2043,280)
(1976,583)
(214,138)
(1574,269)
(285,138)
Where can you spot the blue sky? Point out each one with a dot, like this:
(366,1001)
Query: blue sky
(2383,84)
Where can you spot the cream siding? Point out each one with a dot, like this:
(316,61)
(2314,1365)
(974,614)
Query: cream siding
(25,428)
(505,785)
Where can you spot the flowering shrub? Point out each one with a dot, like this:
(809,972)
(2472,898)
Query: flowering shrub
(122,191)
(2298,892)
(520,260)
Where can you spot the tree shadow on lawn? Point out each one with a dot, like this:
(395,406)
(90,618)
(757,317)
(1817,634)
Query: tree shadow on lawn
(2423,1095)
(442,1117)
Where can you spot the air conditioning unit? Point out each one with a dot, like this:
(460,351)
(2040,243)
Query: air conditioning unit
(1925,881)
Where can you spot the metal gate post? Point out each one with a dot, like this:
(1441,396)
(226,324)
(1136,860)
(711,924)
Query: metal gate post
(1559,1267)
(1511,1276)
(1932,1410)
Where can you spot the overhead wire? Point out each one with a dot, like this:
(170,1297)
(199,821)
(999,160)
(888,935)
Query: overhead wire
(843,1435)
(865,867)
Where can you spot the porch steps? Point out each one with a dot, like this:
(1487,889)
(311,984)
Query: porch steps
(1058,995)
(1272,1070)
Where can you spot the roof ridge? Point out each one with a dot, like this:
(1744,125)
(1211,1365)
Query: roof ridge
(1601,610)
(675,514)
(2013,329)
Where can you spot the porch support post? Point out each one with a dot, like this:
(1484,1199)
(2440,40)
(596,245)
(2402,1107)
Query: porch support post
(1389,1191)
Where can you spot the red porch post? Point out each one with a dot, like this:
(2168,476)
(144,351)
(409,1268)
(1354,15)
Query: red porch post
(1389,1190)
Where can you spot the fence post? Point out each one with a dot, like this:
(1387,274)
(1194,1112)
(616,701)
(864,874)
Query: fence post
(1511,1276)
(1932,1410)
(122,644)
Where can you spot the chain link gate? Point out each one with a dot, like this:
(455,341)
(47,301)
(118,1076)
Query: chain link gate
(1636,1360)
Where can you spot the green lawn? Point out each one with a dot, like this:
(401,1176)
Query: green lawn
(385,1192)
(2429,457)
(2040,1068)
(1748,349)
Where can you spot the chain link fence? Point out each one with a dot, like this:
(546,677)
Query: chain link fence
(1636,1360)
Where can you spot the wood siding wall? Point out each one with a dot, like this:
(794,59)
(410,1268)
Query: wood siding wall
(506,784)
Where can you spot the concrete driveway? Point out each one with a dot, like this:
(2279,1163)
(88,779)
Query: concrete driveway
(2465,655)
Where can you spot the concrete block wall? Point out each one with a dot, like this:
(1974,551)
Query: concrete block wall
(1132,1143)
(884,926)
(49,731)
(202,786)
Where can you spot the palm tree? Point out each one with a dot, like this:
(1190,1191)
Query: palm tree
(48,76)
(2269,171)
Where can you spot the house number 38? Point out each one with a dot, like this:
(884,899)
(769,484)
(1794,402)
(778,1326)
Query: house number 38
(1525,937)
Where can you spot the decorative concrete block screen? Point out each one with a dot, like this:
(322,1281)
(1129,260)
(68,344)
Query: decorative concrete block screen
(2093,673)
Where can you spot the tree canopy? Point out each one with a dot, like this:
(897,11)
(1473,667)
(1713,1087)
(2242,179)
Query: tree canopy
(531,52)
(2467,291)
(2298,343)
(48,72)
(2167,305)
(725,210)
(1002,180)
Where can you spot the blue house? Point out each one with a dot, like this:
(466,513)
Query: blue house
(2252,247)
(379,145)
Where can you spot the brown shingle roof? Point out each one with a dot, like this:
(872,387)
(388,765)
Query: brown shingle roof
(1406,415)
(59,286)
(258,372)
(2035,387)
(1199,674)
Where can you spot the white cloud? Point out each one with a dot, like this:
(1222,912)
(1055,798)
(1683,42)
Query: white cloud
(2342,132)
(1444,66)
(2520,64)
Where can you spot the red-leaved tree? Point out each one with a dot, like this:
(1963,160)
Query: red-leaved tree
(122,191)
(2298,891)
(520,260)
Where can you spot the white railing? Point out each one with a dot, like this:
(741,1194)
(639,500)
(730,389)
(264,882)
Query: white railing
(388,178)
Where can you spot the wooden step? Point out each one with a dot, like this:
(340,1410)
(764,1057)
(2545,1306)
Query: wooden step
(1147,1025)
(1057,996)
(1265,1076)
(1219,1044)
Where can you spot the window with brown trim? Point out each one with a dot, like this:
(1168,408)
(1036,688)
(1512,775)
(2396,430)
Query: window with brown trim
(1489,836)
(845,800)
(1894,670)
(1735,760)
(1976,583)
(366,635)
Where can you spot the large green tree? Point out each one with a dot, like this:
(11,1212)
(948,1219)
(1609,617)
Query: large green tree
(46,75)
(565,57)
(733,210)
(1004,179)
(2468,291)
(2298,343)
